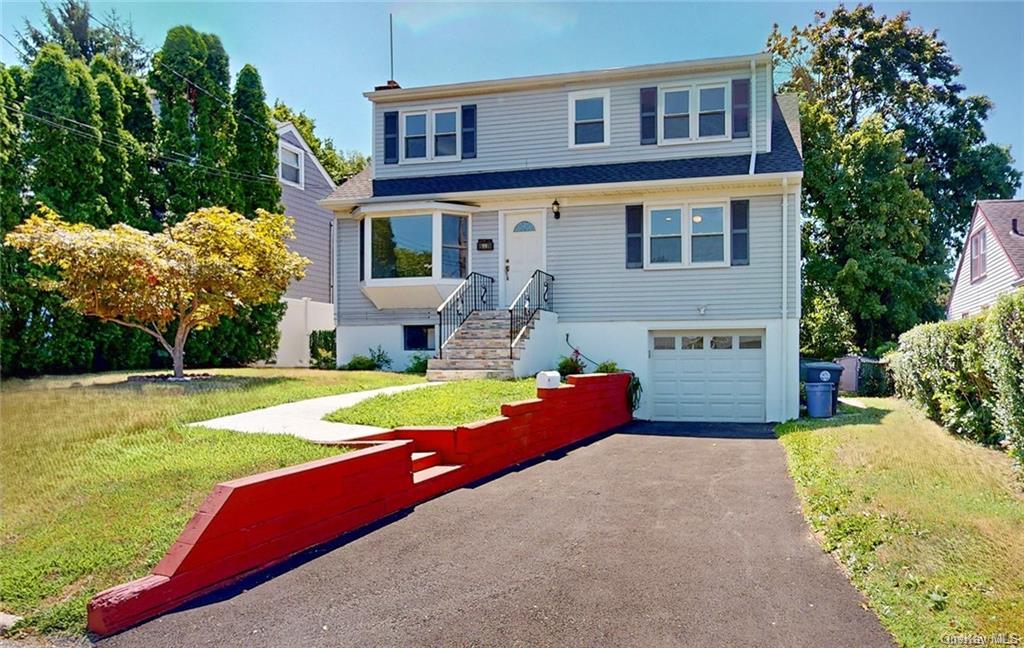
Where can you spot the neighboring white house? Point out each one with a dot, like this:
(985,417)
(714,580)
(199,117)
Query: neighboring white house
(304,182)
(992,260)
(647,215)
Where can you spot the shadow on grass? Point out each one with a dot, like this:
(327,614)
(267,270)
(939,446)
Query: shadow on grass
(699,430)
(204,386)
(847,416)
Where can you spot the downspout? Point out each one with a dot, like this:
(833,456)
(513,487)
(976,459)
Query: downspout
(752,107)
(785,292)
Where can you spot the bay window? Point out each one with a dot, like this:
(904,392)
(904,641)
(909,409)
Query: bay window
(454,246)
(687,236)
(410,247)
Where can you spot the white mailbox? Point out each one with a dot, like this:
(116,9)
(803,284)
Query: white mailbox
(548,380)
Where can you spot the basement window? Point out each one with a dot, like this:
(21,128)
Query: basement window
(418,337)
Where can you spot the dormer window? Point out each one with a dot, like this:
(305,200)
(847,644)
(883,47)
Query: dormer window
(290,164)
(978,262)
(589,123)
(430,135)
(695,113)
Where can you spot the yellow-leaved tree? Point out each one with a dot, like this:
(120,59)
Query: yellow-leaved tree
(170,283)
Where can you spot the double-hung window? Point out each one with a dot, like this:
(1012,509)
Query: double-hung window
(289,168)
(687,235)
(454,246)
(430,135)
(978,262)
(589,121)
(693,113)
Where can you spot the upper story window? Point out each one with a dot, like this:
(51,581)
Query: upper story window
(978,264)
(430,135)
(431,245)
(589,122)
(691,113)
(290,164)
(682,236)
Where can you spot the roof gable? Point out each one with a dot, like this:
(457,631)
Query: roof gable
(998,217)
(288,127)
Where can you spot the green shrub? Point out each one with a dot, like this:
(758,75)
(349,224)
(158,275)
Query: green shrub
(572,364)
(941,368)
(380,358)
(872,379)
(417,364)
(1004,361)
(360,362)
(826,328)
(608,366)
(321,349)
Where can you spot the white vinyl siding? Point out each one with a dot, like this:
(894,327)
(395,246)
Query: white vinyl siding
(971,297)
(530,128)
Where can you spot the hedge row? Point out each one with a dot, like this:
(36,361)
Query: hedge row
(968,374)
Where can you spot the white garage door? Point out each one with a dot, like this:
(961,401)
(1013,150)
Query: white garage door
(707,376)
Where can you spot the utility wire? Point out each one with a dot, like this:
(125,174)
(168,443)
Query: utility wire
(16,48)
(234,175)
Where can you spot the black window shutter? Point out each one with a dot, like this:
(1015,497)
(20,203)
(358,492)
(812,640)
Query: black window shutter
(634,236)
(741,102)
(648,115)
(469,131)
(740,225)
(362,250)
(391,137)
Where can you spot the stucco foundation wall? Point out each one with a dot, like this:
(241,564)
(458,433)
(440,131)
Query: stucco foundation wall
(354,340)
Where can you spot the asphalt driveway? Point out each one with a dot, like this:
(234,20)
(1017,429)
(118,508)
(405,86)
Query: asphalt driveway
(658,535)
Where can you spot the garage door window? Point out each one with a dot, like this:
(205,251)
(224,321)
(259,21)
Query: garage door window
(664,343)
(750,341)
(721,342)
(693,342)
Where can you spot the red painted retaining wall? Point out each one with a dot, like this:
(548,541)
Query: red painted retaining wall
(252,523)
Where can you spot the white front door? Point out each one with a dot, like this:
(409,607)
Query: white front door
(524,250)
(708,376)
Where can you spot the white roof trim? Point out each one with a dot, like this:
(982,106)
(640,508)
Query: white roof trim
(548,80)
(417,205)
(760,179)
(288,127)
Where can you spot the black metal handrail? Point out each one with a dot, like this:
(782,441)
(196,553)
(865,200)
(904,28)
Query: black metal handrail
(536,295)
(476,292)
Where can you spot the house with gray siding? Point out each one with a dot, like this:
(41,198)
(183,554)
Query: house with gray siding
(992,261)
(645,215)
(304,183)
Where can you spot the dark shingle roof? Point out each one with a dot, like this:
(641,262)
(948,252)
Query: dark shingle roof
(1000,215)
(785,157)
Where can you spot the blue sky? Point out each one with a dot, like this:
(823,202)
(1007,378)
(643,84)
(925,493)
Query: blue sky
(320,57)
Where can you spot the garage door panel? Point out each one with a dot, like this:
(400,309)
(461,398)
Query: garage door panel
(722,384)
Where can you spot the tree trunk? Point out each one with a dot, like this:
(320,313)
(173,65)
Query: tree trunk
(178,356)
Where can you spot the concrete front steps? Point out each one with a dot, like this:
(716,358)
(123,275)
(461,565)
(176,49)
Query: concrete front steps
(479,349)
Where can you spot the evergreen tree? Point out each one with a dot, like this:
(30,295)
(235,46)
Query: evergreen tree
(72,28)
(63,141)
(196,127)
(255,147)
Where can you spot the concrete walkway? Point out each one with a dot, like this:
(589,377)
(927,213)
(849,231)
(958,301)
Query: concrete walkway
(661,534)
(304,419)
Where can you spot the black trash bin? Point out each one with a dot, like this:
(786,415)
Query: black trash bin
(823,372)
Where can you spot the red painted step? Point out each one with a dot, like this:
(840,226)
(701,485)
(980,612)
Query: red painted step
(420,476)
(424,460)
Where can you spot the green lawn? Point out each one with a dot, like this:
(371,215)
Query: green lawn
(928,526)
(99,475)
(450,404)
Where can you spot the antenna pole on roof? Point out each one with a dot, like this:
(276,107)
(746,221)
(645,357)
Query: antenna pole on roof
(391,43)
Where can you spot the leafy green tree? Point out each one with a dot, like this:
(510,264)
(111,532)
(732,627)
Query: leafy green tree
(339,164)
(859,63)
(255,146)
(826,329)
(196,127)
(868,228)
(63,138)
(70,25)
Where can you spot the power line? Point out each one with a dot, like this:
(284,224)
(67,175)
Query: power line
(234,175)
(16,48)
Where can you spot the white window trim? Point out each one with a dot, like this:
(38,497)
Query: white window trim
(603,94)
(687,235)
(436,250)
(301,184)
(431,157)
(694,114)
(981,236)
